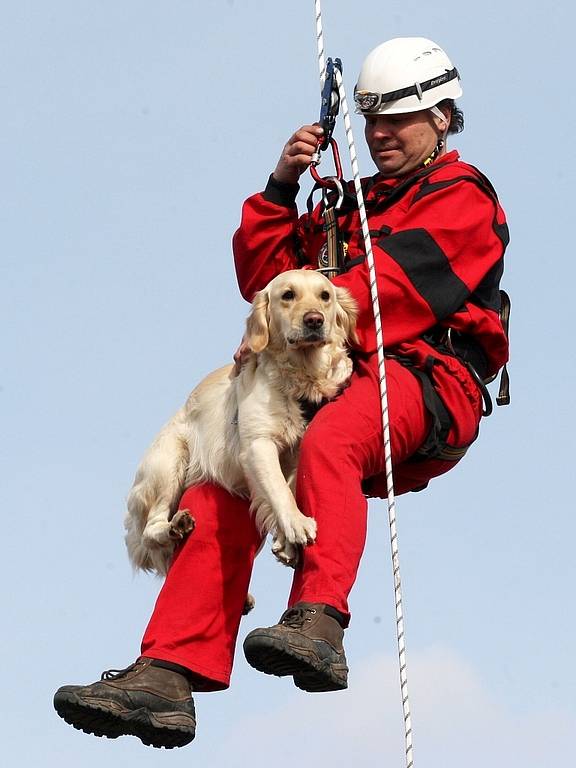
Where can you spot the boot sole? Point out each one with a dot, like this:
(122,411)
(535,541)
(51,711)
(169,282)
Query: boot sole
(100,721)
(272,656)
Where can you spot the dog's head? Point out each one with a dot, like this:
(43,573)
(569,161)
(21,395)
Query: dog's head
(298,309)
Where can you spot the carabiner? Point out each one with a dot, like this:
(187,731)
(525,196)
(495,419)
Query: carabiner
(337,165)
(332,182)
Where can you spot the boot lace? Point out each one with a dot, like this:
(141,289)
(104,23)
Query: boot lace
(295,617)
(113,674)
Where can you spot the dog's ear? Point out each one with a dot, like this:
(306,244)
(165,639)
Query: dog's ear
(346,313)
(257,335)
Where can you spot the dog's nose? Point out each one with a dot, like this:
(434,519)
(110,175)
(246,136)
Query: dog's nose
(313,320)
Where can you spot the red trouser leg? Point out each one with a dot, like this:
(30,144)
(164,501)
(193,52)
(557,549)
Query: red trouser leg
(197,614)
(343,445)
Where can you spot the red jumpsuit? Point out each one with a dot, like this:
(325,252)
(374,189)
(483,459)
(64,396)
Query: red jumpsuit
(438,237)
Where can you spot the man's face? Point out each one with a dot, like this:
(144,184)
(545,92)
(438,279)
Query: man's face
(400,143)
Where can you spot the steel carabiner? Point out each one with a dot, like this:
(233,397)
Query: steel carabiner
(332,182)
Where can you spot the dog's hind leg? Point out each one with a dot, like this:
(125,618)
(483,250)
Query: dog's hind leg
(181,524)
(156,492)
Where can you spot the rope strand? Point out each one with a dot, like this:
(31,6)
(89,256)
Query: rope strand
(320,43)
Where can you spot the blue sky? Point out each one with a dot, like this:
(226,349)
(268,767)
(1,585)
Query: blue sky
(131,132)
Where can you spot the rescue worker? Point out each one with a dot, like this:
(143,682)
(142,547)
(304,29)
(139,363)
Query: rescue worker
(439,236)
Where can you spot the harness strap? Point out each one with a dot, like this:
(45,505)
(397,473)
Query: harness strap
(503,397)
(435,445)
(435,441)
(330,260)
(467,350)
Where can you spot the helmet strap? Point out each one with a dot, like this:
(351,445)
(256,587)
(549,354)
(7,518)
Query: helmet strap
(440,115)
(440,143)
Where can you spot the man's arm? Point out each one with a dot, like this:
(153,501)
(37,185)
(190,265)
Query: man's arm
(265,243)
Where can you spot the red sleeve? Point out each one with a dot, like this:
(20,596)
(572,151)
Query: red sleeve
(265,244)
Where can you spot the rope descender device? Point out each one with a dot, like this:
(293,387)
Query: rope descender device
(331,259)
(329,108)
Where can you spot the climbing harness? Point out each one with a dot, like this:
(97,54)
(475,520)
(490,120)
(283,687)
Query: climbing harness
(383,387)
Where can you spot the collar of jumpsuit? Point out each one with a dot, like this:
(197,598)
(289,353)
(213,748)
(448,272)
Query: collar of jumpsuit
(382,186)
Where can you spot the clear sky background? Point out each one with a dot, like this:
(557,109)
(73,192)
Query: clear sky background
(131,131)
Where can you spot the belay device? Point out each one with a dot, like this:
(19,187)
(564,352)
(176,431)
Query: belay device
(331,258)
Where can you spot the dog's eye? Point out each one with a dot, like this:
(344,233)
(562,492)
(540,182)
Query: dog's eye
(325,296)
(288,295)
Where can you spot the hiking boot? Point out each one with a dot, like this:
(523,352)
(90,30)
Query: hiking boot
(147,700)
(306,643)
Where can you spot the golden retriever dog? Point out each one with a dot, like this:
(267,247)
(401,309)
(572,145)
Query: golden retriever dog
(242,430)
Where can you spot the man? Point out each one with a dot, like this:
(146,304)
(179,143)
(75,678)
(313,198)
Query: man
(439,236)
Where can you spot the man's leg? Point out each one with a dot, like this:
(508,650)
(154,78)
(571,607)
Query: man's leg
(342,446)
(189,642)
(197,614)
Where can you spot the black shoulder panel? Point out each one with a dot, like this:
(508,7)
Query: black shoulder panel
(428,269)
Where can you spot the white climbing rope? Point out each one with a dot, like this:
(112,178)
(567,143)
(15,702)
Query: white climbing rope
(383,390)
(320,42)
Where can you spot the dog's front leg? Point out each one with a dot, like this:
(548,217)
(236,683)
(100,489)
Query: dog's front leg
(282,549)
(269,489)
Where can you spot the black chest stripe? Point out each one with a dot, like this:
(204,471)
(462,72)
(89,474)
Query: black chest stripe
(429,187)
(428,269)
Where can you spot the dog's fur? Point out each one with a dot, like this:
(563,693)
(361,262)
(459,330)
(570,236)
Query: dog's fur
(243,431)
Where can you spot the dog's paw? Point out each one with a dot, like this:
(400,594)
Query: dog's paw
(285,552)
(181,525)
(301,530)
(249,604)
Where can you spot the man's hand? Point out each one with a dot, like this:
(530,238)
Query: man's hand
(297,154)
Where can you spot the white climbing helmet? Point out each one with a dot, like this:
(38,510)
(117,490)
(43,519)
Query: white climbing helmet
(406,74)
